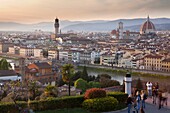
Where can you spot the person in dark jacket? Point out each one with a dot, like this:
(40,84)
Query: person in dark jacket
(138,100)
(129,103)
(159,99)
(143,98)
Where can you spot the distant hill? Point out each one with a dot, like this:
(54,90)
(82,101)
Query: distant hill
(130,24)
(95,25)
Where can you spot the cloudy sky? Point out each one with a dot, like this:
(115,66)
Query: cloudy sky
(31,11)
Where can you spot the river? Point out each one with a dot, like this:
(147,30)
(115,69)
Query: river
(163,82)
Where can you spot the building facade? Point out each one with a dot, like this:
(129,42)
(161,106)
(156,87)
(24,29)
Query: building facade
(166,65)
(153,62)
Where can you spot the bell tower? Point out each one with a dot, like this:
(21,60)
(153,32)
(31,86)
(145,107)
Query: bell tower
(56,25)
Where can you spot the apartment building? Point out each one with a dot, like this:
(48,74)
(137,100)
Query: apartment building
(153,62)
(40,71)
(53,54)
(166,65)
(26,51)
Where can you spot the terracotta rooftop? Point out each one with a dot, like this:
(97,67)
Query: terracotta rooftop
(153,56)
(43,65)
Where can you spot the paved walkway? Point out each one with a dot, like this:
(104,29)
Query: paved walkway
(150,108)
(149,100)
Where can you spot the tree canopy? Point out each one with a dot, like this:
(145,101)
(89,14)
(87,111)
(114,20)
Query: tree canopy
(84,74)
(4,65)
(67,72)
(81,84)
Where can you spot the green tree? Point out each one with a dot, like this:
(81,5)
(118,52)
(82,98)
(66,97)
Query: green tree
(139,85)
(77,75)
(84,74)
(81,84)
(51,90)
(33,88)
(4,65)
(105,76)
(91,78)
(67,74)
(94,84)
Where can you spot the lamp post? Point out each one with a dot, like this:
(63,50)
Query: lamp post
(128,81)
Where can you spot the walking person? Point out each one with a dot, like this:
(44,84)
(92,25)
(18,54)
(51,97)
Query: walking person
(159,99)
(129,103)
(143,98)
(157,86)
(138,99)
(154,95)
(149,88)
(164,97)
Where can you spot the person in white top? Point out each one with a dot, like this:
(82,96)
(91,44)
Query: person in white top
(149,88)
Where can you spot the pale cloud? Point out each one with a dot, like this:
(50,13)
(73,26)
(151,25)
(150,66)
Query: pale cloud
(47,10)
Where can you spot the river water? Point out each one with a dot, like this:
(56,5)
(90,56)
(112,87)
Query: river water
(163,82)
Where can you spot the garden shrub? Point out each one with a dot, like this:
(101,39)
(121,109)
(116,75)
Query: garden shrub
(109,83)
(48,104)
(106,76)
(94,93)
(94,84)
(101,104)
(120,96)
(9,107)
(81,84)
(69,102)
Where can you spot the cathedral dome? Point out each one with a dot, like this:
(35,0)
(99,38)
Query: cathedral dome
(147,27)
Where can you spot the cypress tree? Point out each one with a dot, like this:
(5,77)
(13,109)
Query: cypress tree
(84,74)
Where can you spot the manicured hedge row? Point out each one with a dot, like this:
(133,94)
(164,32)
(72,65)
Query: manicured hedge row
(52,103)
(10,107)
(120,96)
(57,103)
(101,104)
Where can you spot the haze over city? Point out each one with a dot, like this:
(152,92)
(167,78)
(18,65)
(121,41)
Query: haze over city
(32,11)
(84,56)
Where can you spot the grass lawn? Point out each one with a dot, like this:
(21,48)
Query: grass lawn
(69,110)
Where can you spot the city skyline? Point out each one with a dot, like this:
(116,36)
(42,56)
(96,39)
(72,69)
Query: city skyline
(32,11)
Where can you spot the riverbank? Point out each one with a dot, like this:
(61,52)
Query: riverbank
(124,71)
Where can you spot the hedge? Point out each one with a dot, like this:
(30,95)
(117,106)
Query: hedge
(120,96)
(101,104)
(49,104)
(10,107)
(57,103)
